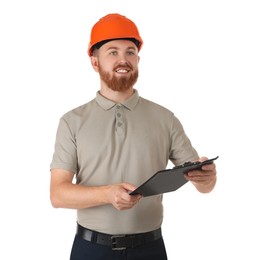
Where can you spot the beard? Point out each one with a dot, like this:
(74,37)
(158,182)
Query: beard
(121,83)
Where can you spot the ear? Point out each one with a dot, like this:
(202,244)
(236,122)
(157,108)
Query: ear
(94,63)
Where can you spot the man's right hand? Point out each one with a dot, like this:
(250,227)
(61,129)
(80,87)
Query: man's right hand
(119,196)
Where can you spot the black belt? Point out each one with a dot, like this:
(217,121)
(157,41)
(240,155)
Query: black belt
(118,242)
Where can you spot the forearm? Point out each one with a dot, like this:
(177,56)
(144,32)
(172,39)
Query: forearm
(74,196)
(65,194)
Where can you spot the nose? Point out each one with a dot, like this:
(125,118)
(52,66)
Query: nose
(123,56)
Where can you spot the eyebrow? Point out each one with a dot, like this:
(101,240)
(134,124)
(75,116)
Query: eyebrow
(116,48)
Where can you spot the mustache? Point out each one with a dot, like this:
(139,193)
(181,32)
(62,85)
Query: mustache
(124,66)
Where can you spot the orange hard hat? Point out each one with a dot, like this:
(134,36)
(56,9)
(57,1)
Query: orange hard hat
(114,26)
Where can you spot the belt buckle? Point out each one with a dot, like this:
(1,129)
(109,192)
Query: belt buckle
(114,242)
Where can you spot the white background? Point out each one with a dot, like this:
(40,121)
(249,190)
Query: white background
(199,59)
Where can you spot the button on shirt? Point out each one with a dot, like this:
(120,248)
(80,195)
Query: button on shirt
(106,143)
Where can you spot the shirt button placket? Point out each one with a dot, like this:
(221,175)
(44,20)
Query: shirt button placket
(120,127)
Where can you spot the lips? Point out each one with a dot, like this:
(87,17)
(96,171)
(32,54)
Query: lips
(122,69)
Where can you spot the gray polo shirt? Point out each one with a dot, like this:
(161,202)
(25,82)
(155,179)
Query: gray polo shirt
(105,143)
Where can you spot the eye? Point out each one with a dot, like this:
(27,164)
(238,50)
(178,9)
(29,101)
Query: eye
(131,53)
(114,53)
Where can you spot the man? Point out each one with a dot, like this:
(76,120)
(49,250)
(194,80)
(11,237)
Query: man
(111,145)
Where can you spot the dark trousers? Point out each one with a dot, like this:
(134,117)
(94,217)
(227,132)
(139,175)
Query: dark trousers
(84,250)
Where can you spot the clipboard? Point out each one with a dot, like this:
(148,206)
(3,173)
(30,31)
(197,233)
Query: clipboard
(168,180)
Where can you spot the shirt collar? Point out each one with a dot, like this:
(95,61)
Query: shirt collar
(107,104)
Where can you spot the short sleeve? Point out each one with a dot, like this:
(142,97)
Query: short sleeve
(181,147)
(65,151)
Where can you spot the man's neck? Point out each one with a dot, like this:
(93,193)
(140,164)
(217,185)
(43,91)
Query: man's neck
(116,96)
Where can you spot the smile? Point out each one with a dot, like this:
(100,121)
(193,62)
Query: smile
(122,70)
